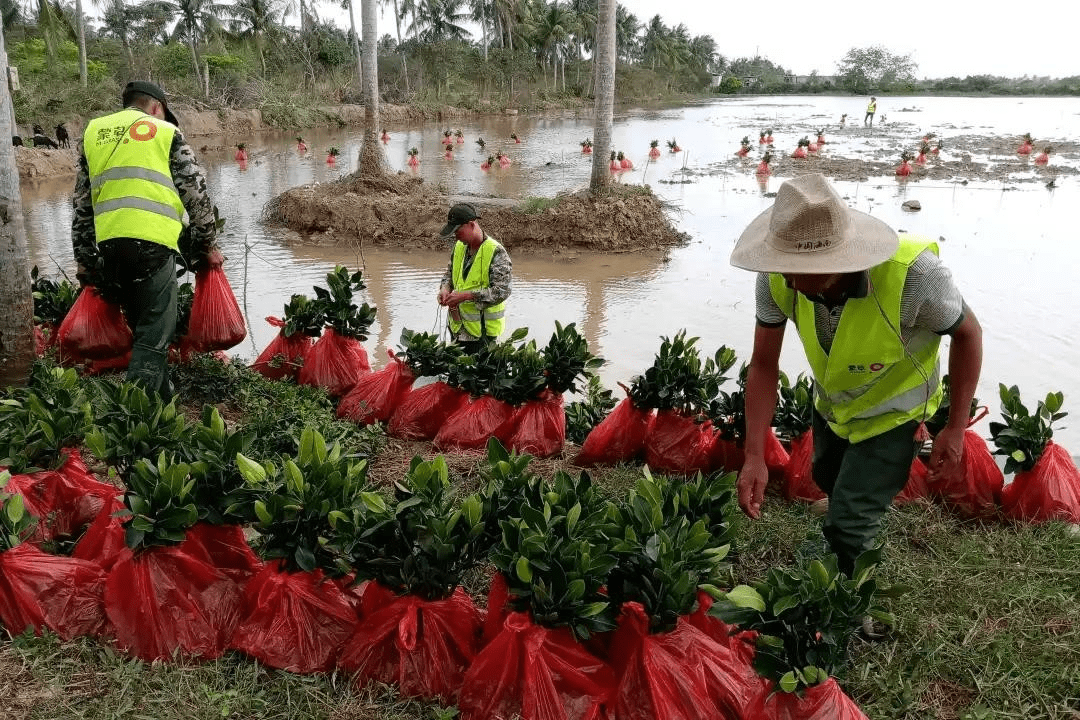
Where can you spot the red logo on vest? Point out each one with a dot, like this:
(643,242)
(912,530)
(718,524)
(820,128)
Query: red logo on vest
(142,130)
(875,367)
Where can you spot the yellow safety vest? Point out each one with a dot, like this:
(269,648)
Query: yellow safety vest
(131,184)
(871,108)
(869,382)
(476,322)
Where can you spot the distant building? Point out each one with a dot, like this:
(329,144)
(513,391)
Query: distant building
(812,79)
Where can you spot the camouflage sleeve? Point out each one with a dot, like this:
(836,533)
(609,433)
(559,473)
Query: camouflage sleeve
(500,278)
(83,239)
(448,276)
(191,185)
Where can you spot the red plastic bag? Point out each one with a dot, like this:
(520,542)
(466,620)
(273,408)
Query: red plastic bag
(741,642)
(536,673)
(471,426)
(167,600)
(93,329)
(798,473)
(285,355)
(1048,491)
(216,321)
(103,542)
(39,590)
(113,364)
(497,608)
(228,550)
(540,426)
(64,500)
(375,395)
(334,362)
(679,675)
(422,647)
(825,701)
(676,444)
(294,621)
(916,488)
(620,437)
(424,410)
(976,490)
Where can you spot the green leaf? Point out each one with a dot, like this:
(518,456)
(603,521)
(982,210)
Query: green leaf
(788,682)
(14,508)
(262,514)
(746,597)
(252,472)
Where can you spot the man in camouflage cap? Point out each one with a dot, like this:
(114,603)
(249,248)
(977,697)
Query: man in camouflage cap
(138,189)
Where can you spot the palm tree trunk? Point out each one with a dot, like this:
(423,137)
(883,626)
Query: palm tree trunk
(371,153)
(82,42)
(195,58)
(130,54)
(356,46)
(17,320)
(605,94)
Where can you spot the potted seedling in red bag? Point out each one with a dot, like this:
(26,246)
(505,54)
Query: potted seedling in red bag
(385,136)
(449,154)
(586,146)
(614,165)
(414,161)
(1026,146)
(673,146)
(928,137)
(624,162)
(744,147)
(937,148)
(768,136)
(1043,158)
(763,166)
(515,138)
(800,152)
(654,149)
(904,169)
(924,148)
(504,160)
(821,136)
(459,136)
(241,153)
(486,165)
(301,146)
(331,155)
(446,137)
(761,138)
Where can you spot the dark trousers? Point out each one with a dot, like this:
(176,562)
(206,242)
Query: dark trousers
(870,117)
(142,277)
(861,480)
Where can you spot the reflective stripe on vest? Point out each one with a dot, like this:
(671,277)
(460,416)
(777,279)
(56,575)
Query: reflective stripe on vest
(476,322)
(872,107)
(131,185)
(869,382)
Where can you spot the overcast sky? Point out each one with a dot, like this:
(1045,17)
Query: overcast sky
(944,37)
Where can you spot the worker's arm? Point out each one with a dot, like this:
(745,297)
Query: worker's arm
(83,239)
(965,364)
(761,382)
(190,183)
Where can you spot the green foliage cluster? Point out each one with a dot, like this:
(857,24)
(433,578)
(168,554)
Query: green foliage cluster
(160,503)
(52,298)
(679,379)
(39,422)
(1023,435)
(16,525)
(585,414)
(427,355)
(794,407)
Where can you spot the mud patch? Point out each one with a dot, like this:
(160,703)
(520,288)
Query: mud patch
(401,211)
(43,163)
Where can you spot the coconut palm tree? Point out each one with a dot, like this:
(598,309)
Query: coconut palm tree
(438,20)
(17,320)
(371,153)
(627,28)
(195,20)
(255,20)
(553,29)
(605,93)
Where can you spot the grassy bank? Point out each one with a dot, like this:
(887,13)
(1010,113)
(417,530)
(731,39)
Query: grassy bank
(991,630)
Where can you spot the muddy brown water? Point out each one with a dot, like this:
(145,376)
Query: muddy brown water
(1008,238)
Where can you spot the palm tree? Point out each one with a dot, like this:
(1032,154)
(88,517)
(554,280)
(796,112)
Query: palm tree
(627,28)
(371,154)
(605,93)
(438,20)
(255,18)
(197,18)
(17,320)
(553,29)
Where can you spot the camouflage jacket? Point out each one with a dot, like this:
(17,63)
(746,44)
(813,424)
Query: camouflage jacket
(500,282)
(190,184)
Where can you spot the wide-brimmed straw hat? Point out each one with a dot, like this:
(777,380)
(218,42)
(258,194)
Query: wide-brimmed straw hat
(810,230)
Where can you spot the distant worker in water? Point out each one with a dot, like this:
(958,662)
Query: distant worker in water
(477,281)
(843,120)
(870,110)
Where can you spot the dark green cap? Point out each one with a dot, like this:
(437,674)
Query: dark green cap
(149,88)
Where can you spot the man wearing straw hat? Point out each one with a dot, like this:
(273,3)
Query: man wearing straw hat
(870,308)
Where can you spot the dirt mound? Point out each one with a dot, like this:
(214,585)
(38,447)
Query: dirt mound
(401,211)
(41,163)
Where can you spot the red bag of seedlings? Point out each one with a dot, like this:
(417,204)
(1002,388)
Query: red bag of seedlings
(294,621)
(171,599)
(825,701)
(39,590)
(798,473)
(285,355)
(740,642)
(64,500)
(424,410)
(976,490)
(423,647)
(535,673)
(93,329)
(113,364)
(103,542)
(678,675)
(620,437)
(228,550)
(497,608)
(376,395)
(471,426)
(540,426)
(916,488)
(1048,491)
(335,363)
(729,456)
(216,321)
(677,445)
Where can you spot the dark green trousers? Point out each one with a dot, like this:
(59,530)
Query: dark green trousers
(861,480)
(144,276)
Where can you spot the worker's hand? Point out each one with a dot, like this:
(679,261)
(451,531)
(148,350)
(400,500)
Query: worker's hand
(214,258)
(88,276)
(444,293)
(947,457)
(753,477)
(456,298)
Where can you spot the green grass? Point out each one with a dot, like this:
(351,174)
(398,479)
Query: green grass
(991,630)
(536,205)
